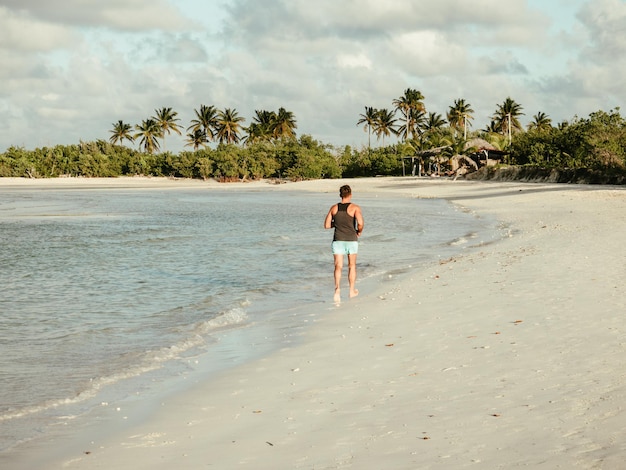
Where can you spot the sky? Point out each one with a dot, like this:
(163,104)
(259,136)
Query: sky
(70,69)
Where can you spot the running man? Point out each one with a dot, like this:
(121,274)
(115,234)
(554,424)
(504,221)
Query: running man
(347,220)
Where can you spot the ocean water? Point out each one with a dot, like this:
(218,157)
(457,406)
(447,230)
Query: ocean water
(107,291)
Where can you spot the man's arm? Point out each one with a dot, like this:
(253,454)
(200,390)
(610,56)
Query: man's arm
(359,220)
(328,222)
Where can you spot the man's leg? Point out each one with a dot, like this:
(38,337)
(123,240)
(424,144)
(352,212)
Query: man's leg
(338,268)
(352,275)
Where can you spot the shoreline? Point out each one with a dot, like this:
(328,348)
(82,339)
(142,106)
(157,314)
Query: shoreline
(507,355)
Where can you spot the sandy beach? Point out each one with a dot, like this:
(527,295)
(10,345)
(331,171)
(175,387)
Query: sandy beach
(508,356)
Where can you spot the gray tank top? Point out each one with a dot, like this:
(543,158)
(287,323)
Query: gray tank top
(345,230)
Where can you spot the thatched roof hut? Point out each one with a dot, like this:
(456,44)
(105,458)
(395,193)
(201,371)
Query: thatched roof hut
(478,144)
(431,152)
(484,151)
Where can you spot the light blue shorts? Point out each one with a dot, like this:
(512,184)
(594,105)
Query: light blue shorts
(345,248)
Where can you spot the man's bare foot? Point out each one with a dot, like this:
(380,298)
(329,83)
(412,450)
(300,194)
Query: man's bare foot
(337,296)
(354,293)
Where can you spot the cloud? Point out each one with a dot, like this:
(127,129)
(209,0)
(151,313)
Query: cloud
(369,20)
(605,21)
(427,53)
(183,49)
(22,33)
(124,15)
(592,80)
(354,61)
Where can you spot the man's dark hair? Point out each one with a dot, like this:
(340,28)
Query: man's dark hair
(345,191)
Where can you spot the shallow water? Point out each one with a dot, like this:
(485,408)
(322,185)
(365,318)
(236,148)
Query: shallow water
(103,288)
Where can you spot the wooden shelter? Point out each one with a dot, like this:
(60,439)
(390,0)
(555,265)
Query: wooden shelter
(485,154)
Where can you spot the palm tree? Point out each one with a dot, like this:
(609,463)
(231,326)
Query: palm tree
(284,124)
(196,139)
(413,125)
(121,131)
(459,114)
(499,141)
(385,124)
(368,119)
(166,118)
(440,137)
(434,122)
(262,126)
(491,128)
(206,120)
(149,131)
(255,133)
(506,117)
(541,121)
(228,126)
(412,107)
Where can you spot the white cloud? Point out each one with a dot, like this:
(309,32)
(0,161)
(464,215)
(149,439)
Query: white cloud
(128,15)
(354,61)
(24,34)
(427,53)
(606,23)
(50,97)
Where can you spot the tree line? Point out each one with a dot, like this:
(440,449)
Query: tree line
(209,125)
(270,148)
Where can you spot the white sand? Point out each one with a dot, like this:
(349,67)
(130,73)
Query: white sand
(509,356)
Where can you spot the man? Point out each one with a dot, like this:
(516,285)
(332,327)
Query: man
(347,220)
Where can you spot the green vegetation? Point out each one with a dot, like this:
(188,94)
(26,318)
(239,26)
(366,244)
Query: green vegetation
(270,148)
(303,158)
(597,142)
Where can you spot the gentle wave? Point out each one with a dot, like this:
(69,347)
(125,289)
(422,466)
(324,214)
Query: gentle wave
(146,362)
(464,240)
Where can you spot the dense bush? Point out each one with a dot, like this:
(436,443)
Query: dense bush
(297,159)
(598,143)
(385,161)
